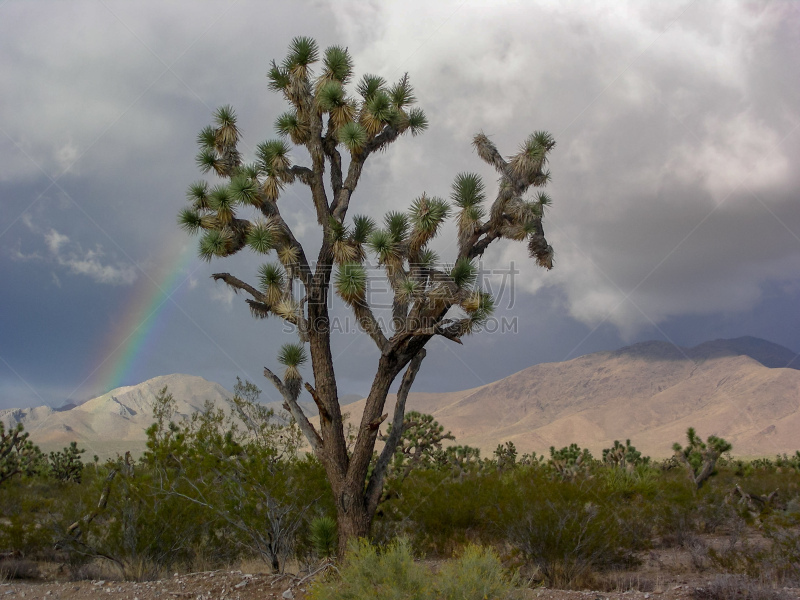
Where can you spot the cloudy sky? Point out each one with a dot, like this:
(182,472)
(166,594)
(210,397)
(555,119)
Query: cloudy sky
(675,179)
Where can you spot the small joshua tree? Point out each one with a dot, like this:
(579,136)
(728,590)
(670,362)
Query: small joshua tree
(18,455)
(700,458)
(624,456)
(570,461)
(66,465)
(340,130)
(506,456)
(420,444)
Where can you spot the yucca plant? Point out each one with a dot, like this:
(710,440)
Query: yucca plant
(331,111)
(323,537)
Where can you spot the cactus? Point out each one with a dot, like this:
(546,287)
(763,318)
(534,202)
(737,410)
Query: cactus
(700,458)
(18,455)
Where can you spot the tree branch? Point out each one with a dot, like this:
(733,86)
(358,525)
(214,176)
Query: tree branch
(294,408)
(375,485)
(370,324)
(323,412)
(237,285)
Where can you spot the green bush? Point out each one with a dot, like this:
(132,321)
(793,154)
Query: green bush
(475,574)
(367,573)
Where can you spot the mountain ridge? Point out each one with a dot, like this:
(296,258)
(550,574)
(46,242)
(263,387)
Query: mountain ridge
(744,389)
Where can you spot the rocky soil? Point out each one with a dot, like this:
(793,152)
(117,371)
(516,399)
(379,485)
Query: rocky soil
(238,585)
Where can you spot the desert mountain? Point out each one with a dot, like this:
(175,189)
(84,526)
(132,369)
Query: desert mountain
(116,421)
(746,390)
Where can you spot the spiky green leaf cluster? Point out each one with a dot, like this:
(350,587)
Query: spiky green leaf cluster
(207,138)
(427,259)
(243,189)
(464,273)
(303,51)
(353,136)
(292,356)
(383,245)
(189,220)
(331,95)
(206,160)
(529,161)
(401,93)
(351,282)
(428,213)
(397,226)
(222,201)
(273,156)
(468,190)
(261,237)
(197,194)
(417,121)
(370,85)
(363,226)
(278,78)
(214,243)
(337,64)
(226,134)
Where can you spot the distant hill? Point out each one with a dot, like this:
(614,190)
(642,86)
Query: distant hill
(116,421)
(746,390)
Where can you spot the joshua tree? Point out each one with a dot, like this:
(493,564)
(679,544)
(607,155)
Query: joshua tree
(18,455)
(698,457)
(341,128)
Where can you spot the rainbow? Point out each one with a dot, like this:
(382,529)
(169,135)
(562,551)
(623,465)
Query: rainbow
(144,317)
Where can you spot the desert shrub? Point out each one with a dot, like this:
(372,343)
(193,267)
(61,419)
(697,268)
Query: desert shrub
(18,568)
(776,561)
(368,573)
(239,468)
(28,508)
(125,521)
(783,461)
(567,539)
(440,511)
(475,574)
